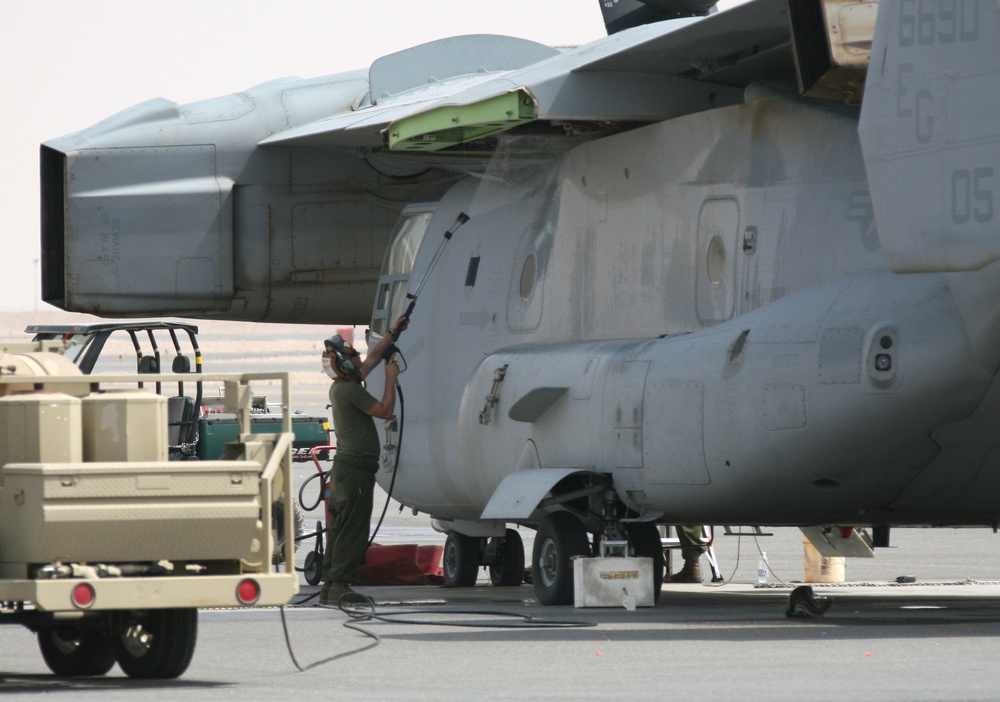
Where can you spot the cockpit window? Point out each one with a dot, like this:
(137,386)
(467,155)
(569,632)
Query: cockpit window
(405,244)
(391,296)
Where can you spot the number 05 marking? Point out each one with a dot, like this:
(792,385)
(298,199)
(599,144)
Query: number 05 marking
(972,195)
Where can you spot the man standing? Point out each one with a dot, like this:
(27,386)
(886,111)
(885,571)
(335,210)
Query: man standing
(693,543)
(352,478)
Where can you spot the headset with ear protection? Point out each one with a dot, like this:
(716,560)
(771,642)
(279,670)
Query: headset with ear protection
(335,348)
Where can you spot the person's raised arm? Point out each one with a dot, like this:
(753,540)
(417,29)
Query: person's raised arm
(386,407)
(374,356)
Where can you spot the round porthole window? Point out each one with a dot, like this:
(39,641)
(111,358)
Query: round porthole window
(716,259)
(528,277)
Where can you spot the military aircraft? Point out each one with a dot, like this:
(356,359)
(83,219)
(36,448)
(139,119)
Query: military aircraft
(730,267)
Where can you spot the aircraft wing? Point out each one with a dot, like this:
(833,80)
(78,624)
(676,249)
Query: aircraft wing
(166,208)
(633,77)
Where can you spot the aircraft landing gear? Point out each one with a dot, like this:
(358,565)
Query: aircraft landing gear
(644,538)
(463,555)
(461,559)
(507,563)
(560,537)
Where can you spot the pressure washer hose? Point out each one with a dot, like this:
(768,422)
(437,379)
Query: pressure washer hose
(395,465)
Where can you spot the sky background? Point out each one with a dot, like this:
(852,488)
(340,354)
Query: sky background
(66,64)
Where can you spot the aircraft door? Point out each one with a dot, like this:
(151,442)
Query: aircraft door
(623,402)
(673,448)
(715,265)
(393,283)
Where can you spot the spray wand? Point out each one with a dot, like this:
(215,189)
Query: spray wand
(391,349)
(412,296)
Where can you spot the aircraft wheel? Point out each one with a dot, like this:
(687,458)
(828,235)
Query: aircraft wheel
(560,537)
(460,560)
(508,568)
(159,644)
(644,537)
(76,651)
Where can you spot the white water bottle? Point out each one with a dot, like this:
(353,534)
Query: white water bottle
(762,570)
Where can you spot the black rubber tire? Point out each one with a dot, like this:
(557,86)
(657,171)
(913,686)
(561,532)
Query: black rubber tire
(644,537)
(76,651)
(560,537)
(508,568)
(313,568)
(160,644)
(278,521)
(461,560)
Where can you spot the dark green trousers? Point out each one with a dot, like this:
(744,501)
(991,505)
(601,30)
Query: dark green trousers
(691,541)
(352,490)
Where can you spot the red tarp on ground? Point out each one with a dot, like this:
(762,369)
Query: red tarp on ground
(402,564)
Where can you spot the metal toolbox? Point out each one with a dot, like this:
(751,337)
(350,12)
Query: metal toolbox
(196,510)
(613,582)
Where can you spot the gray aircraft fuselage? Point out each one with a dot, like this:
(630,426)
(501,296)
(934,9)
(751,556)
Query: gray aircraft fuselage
(762,401)
(701,310)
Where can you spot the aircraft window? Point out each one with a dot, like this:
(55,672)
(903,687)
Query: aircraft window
(383,296)
(390,303)
(396,269)
(716,259)
(405,244)
(397,302)
(528,277)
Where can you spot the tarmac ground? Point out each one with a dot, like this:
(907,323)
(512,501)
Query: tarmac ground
(935,638)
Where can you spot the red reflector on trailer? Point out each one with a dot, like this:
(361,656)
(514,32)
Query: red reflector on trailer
(248,591)
(83,595)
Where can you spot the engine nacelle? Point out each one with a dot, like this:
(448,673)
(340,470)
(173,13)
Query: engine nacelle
(176,209)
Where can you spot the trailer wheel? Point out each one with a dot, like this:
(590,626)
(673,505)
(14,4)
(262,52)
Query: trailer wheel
(560,537)
(508,568)
(278,520)
(76,651)
(158,644)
